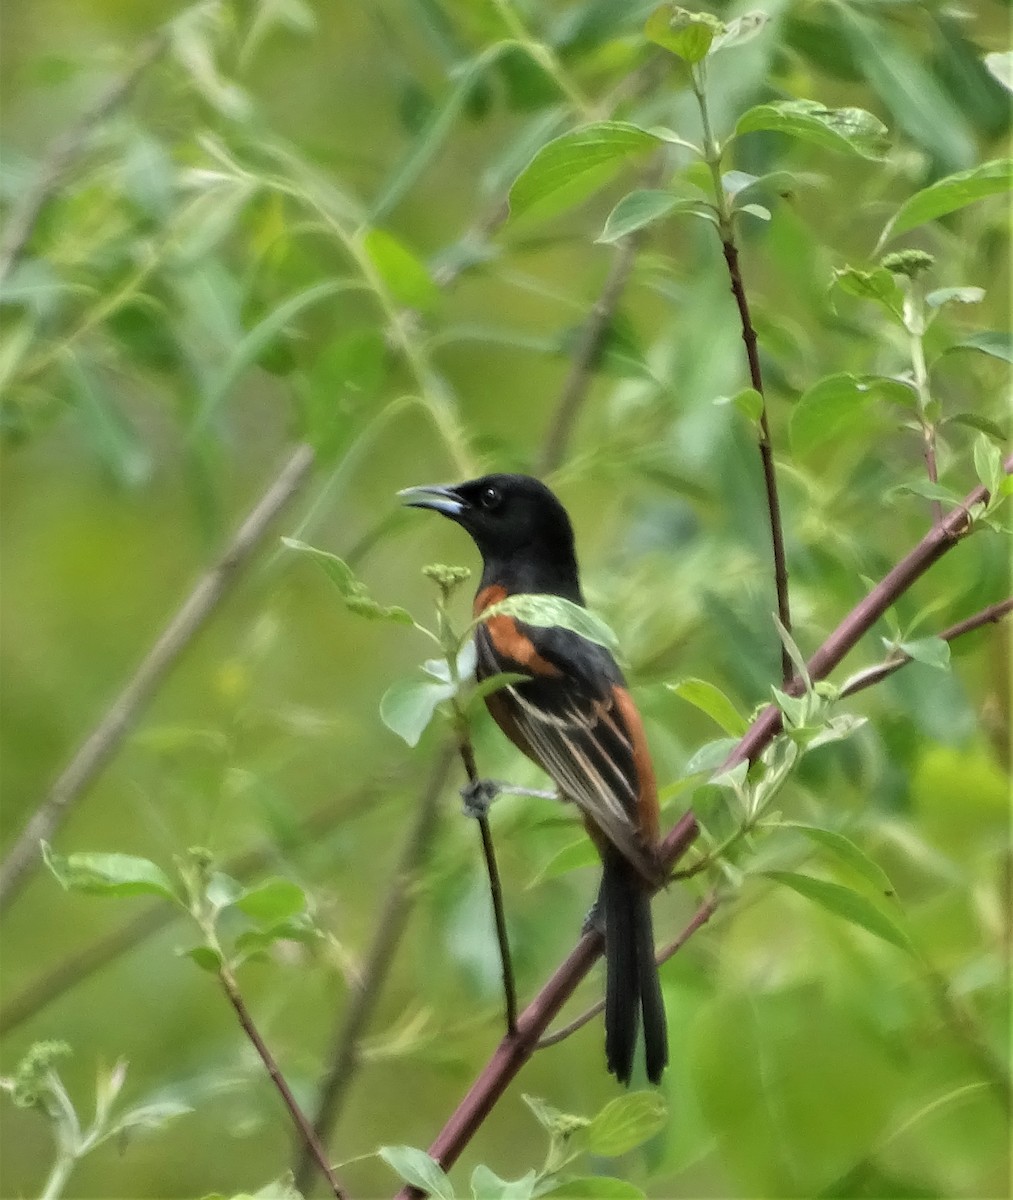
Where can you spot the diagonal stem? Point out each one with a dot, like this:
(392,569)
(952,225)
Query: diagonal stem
(731,254)
(306,1130)
(343,1056)
(467,753)
(102,743)
(512,1053)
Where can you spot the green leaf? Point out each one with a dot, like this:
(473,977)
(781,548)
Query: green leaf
(754,210)
(837,407)
(750,403)
(851,130)
(580,853)
(155,1115)
(272,901)
(950,194)
(878,284)
(636,210)
(112,437)
(999,65)
(994,342)
(710,756)
(404,274)
(988,462)
(206,957)
(352,590)
(417,1168)
(958,295)
(794,709)
(927,490)
(592,1187)
(493,683)
(712,701)
(487,1185)
(257,340)
(982,424)
(688,35)
(932,651)
(909,87)
(108,874)
(845,850)
(434,133)
(569,168)
(626,1122)
(545,611)
(848,904)
(407,707)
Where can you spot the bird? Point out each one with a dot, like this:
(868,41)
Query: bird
(574,717)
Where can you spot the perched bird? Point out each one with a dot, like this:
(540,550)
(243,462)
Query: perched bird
(574,717)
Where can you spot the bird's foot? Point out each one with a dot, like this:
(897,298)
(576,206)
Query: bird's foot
(477,795)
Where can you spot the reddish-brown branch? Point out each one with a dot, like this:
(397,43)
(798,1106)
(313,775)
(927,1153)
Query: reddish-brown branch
(943,536)
(700,918)
(23,858)
(512,1053)
(987,616)
(267,1058)
(731,254)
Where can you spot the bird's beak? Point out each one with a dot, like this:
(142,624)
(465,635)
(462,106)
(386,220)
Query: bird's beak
(442,499)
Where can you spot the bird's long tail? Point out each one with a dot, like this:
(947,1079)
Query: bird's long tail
(632,986)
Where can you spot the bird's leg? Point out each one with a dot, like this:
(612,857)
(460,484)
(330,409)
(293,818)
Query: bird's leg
(479,794)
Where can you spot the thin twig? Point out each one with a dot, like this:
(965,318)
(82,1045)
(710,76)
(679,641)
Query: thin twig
(726,231)
(23,857)
(511,1054)
(228,983)
(467,753)
(90,959)
(591,342)
(65,149)
(991,615)
(343,1055)
(700,918)
(875,674)
(941,538)
(731,254)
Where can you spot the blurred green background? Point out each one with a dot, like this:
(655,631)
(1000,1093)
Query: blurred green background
(141,421)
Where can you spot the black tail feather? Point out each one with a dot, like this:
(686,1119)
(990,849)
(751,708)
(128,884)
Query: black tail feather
(631,974)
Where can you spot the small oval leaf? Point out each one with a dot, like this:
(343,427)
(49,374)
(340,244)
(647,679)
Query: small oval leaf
(845,902)
(569,168)
(417,1168)
(625,1123)
(108,874)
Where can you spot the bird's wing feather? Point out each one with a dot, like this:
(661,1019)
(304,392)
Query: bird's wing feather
(574,729)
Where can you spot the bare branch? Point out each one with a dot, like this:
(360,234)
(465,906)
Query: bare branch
(306,1132)
(700,918)
(66,149)
(987,616)
(942,537)
(343,1055)
(590,344)
(512,1053)
(23,857)
(91,958)
(731,254)
(467,753)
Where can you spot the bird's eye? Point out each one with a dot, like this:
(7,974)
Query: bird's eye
(490,498)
